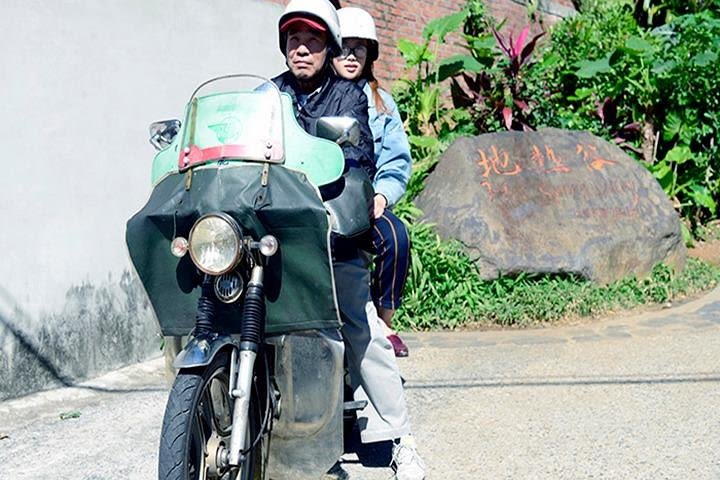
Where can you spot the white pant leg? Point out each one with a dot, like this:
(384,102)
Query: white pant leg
(370,356)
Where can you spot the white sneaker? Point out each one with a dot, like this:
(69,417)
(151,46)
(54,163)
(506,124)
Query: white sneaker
(407,463)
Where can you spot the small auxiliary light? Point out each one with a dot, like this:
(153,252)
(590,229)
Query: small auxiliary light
(179,246)
(268,245)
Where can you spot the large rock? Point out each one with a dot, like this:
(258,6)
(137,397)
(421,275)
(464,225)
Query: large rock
(552,201)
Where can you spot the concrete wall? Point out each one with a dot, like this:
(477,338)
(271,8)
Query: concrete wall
(80,82)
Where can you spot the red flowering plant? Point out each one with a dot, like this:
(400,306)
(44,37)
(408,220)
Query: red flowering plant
(494,88)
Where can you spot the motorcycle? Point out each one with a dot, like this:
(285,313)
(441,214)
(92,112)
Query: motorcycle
(234,246)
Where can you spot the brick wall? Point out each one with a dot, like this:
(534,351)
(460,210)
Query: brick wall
(396,19)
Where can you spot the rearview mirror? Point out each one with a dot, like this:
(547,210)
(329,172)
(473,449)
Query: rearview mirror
(163,132)
(339,129)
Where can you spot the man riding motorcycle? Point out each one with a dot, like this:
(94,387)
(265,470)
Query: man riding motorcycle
(310,37)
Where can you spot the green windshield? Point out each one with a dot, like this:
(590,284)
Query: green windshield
(233,126)
(252,125)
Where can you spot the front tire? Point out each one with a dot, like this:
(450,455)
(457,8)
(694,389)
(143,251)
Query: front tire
(198,423)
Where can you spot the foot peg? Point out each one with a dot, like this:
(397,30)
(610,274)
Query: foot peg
(355,405)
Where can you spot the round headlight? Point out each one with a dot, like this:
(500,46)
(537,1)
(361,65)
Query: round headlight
(215,243)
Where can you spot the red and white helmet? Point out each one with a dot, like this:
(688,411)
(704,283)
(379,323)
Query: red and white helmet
(318,14)
(357,23)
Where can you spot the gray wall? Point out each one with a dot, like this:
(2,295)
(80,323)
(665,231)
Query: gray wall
(81,80)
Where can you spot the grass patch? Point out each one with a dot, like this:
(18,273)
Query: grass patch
(444,290)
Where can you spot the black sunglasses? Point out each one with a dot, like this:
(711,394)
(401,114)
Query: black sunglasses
(360,51)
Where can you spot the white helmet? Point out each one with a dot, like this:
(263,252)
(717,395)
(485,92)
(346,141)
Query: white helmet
(357,23)
(316,13)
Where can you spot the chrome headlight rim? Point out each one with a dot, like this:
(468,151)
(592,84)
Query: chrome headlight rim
(238,253)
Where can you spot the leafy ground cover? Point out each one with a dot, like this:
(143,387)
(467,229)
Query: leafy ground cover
(449,294)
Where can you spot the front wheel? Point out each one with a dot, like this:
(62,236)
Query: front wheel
(197,425)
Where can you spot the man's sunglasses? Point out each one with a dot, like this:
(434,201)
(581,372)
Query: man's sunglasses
(360,51)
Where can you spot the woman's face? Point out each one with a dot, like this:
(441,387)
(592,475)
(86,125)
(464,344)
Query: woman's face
(351,62)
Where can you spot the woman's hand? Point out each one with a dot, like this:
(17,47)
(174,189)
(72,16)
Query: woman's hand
(380,205)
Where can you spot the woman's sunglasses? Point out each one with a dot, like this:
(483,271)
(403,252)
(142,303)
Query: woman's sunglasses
(359,52)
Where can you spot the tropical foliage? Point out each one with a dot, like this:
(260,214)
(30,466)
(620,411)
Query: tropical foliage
(655,92)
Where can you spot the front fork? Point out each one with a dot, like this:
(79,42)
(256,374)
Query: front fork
(241,388)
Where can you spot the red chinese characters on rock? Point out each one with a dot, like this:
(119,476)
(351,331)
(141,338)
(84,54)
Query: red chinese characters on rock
(592,160)
(498,167)
(548,162)
(497,161)
(543,159)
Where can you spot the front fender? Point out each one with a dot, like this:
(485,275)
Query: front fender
(201,350)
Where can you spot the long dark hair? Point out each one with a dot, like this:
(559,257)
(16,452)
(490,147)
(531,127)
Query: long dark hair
(369,75)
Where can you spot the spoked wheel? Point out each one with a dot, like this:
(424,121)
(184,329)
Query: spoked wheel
(197,425)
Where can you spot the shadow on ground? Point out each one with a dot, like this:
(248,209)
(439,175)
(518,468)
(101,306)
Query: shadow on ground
(370,455)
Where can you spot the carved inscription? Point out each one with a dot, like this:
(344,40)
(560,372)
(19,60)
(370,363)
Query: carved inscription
(592,160)
(543,159)
(547,162)
(496,163)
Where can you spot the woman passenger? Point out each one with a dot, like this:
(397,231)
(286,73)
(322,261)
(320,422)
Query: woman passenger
(390,239)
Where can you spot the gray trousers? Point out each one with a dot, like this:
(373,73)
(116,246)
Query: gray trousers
(374,372)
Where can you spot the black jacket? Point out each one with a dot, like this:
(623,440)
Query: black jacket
(336,97)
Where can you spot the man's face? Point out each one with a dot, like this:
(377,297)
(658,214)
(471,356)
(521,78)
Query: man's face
(306,51)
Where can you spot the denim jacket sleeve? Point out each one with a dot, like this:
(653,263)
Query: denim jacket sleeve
(392,150)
